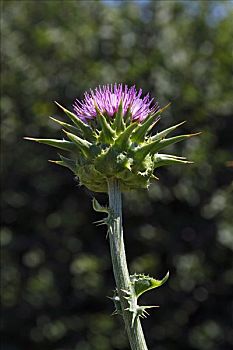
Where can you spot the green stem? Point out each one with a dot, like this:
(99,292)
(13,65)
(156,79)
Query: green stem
(120,269)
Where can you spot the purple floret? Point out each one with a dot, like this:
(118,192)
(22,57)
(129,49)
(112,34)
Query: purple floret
(108,98)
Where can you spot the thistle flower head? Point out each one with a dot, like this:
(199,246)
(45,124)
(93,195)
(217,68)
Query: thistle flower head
(110,137)
(108,98)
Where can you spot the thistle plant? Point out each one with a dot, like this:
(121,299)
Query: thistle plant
(111,149)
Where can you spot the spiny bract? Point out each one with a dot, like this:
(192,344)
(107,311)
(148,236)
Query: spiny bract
(110,138)
(142,283)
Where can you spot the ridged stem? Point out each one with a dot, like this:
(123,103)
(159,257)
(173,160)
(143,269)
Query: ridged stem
(120,269)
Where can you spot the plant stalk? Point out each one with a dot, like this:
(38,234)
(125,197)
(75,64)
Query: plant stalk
(120,269)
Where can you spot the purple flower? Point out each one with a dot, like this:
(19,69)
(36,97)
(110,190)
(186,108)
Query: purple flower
(108,98)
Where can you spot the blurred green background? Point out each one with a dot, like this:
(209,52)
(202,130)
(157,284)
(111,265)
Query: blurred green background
(56,270)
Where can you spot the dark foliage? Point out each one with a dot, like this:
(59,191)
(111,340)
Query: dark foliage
(56,270)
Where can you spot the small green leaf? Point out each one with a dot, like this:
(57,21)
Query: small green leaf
(119,124)
(107,134)
(143,283)
(159,136)
(123,140)
(157,145)
(67,126)
(141,152)
(170,141)
(166,159)
(142,129)
(86,130)
(62,144)
(82,144)
(69,163)
(98,207)
(128,116)
(149,123)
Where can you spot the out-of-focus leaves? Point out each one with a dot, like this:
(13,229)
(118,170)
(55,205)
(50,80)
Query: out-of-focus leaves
(56,270)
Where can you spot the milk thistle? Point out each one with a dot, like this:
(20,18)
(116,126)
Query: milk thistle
(112,149)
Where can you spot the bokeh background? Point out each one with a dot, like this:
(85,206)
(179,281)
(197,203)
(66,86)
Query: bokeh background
(56,269)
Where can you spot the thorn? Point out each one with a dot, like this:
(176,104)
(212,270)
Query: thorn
(66,132)
(100,222)
(165,107)
(195,134)
(30,138)
(58,104)
(55,120)
(126,291)
(154,177)
(114,313)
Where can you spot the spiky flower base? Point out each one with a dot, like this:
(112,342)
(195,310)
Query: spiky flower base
(115,148)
